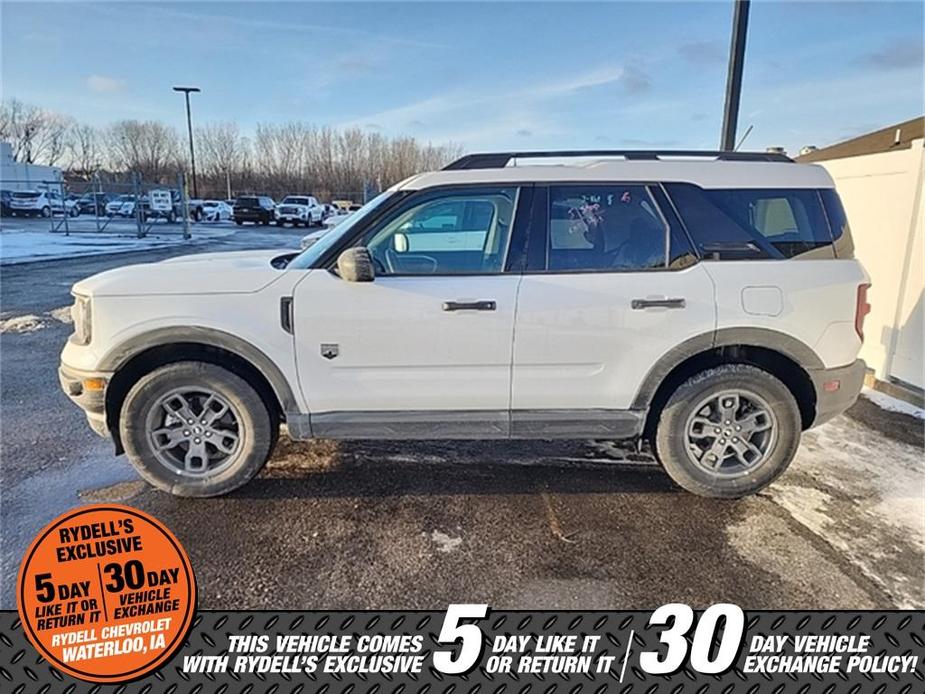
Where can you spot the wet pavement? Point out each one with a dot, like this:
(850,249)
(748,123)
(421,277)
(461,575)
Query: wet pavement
(565,524)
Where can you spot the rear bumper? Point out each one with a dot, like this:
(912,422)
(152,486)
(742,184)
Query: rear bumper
(836,389)
(91,401)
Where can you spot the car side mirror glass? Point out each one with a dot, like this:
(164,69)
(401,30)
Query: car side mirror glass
(356,265)
(400,242)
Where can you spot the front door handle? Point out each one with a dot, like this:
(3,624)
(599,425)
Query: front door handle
(638,304)
(469,305)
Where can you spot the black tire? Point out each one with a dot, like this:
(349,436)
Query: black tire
(257,429)
(676,454)
(239,222)
(46,212)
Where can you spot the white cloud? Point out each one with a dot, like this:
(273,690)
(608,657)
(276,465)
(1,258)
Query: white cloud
(461,105)
(104,84)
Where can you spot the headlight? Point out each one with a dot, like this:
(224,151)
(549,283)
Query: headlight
(81,314)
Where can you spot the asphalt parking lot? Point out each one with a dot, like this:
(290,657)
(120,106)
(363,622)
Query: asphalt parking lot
(565,524)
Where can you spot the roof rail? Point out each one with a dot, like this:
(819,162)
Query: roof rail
(498,160)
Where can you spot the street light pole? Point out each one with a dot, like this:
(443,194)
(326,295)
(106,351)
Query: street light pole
(734,77)
(189,126)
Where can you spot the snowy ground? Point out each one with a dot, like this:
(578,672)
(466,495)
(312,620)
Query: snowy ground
(864,495)
(20,243)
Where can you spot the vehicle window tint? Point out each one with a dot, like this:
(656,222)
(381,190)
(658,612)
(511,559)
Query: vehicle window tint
(459,232)
(838,221)
(791,220)
(715,232)
(604,227)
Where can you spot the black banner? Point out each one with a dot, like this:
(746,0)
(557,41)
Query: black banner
(672,649)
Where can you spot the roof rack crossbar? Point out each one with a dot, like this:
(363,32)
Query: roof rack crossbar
(498,160)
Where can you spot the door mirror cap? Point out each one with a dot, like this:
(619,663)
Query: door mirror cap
(356,265)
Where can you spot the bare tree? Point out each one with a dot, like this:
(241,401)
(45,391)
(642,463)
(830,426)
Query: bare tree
(37,136)
(281,158)
(84,151)
(148,147)
(222,151)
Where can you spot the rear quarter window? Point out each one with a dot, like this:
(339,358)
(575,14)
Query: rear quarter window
(743,223)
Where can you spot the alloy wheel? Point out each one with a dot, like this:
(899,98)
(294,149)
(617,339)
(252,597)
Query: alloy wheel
(731,433)
(194,431)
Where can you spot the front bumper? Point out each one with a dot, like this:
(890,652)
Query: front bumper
(836,389)
(88,391)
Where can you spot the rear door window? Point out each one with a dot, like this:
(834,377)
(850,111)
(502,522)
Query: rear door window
(604,227)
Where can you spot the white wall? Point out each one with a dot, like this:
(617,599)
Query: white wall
(17,176)
(883,198)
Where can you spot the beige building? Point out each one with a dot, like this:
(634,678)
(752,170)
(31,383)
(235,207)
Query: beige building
(879,177)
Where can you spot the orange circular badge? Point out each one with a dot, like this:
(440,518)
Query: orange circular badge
(106,593)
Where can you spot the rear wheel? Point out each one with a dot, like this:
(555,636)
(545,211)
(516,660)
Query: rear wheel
(196,429)
(728,432)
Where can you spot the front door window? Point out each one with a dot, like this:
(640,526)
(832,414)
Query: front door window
(458,233)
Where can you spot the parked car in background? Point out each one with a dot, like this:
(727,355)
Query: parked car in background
(311,239)
(40,203)
(299,209)
(259,209)
(114,206)
(216,210)
(5,209)
(336,218)
(127,208)
(94,203)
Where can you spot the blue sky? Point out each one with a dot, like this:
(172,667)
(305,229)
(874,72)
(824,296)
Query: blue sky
(500,75)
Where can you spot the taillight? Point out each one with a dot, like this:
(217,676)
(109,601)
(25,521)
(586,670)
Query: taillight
(862,309)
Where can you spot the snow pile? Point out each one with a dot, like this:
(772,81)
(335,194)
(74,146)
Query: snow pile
(887,402)
(29,246)
(21,324)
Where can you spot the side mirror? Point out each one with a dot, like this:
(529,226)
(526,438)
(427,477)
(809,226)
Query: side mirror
(400,242)
(355,265)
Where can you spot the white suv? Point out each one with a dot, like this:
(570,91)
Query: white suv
(299,209)
(41,203)
(706,303)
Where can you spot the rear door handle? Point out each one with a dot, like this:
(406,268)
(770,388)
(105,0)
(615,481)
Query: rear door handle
(469,306)
(638,304)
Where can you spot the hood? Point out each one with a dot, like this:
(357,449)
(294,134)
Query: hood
(237,272)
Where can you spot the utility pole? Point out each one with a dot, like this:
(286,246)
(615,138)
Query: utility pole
(189,126)
(734,76)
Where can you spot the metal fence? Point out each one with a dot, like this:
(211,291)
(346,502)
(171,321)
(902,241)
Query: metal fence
(134,206)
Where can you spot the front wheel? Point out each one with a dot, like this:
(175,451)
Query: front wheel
(46,212)
(196,429)
(728,432)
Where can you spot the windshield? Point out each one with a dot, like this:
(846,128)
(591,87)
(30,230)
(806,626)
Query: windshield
(310,255)
(27,196)
(295,201)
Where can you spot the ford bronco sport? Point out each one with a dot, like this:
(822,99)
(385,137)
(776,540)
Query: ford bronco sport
(706,303)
